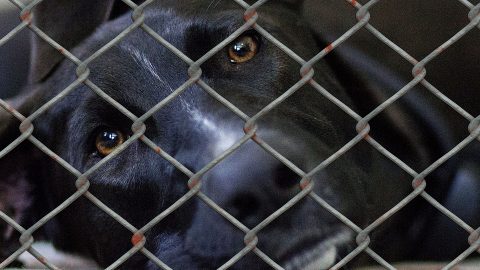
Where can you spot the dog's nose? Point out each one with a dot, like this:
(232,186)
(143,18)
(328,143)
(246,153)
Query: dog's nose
(251,184)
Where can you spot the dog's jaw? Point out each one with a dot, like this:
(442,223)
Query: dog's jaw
(322,256)
(305,261)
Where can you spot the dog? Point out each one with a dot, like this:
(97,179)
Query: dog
(196,127)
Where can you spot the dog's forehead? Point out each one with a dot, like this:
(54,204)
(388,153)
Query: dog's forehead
(139,61)
(139,72)
(275,17)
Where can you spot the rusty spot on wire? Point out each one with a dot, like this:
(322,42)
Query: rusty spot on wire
(329,48)
(137,238)
(26,16)
(25,126)
(192,183)
(42,259)
(417,182)
(304,183)
(249,14)
(304,71)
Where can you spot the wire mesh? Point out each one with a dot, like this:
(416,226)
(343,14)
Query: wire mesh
(194,184)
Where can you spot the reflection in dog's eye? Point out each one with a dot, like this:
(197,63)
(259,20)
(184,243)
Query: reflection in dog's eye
(107,140)
(243,49)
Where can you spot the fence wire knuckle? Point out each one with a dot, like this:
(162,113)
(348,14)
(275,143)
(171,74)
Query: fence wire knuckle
(250,18)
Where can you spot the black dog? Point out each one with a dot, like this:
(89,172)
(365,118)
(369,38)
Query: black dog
(250,184)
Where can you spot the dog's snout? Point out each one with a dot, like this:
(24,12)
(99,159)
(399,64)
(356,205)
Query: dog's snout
(252,184)
(245,207)
(247,203)
(284,177)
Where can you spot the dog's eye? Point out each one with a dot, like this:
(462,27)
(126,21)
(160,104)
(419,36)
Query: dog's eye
(243,49)
(107,140)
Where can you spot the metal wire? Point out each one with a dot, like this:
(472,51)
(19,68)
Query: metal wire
(138,128)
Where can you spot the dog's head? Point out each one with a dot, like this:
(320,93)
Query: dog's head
(195,128)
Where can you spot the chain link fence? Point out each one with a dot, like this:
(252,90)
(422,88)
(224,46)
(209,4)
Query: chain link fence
(138,128)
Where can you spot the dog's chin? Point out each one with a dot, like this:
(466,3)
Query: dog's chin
(317,255)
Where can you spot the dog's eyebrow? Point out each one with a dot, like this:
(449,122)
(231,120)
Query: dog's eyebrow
(141,59)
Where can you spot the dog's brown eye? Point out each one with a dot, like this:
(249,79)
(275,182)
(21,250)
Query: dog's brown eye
(108,140)
(243,49)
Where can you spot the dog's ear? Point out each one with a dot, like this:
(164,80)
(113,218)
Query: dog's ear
(67,22)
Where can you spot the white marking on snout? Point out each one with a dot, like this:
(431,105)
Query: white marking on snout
(224,138)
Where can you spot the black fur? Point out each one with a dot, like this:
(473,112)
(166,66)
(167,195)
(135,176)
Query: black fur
(250,184)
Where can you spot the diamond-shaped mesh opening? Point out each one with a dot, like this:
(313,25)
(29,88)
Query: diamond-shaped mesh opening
(229,186)
(428,32)
(214,234)
(291,122)
(430,140)
(445,231)
(458,65)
